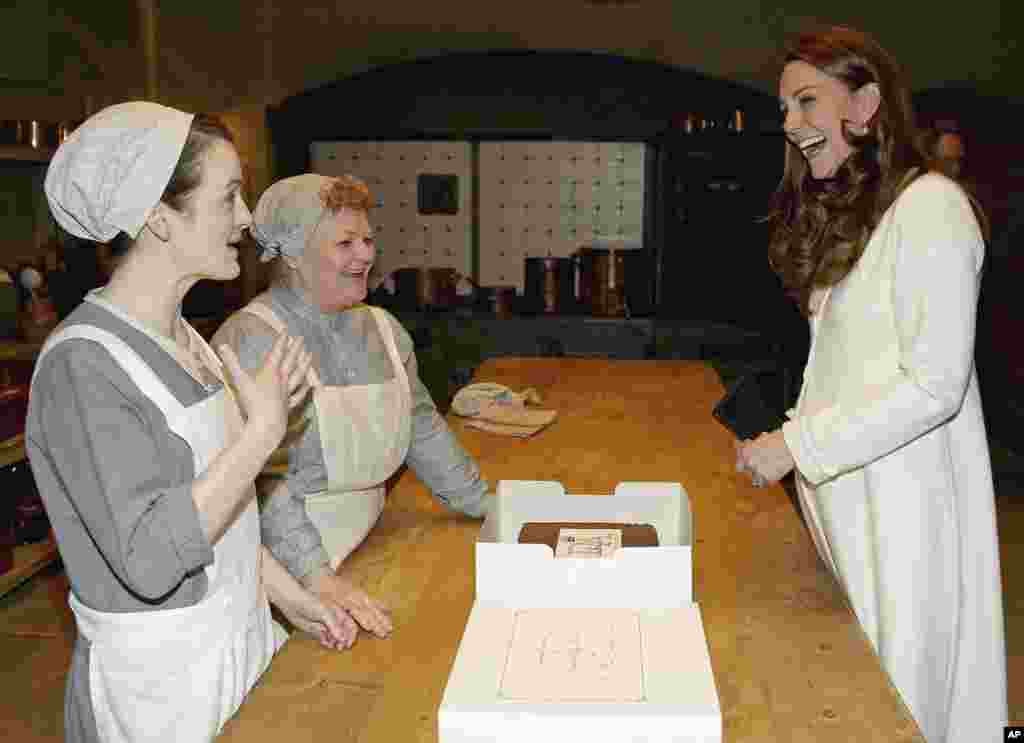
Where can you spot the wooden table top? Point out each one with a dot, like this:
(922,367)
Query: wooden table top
(790,660)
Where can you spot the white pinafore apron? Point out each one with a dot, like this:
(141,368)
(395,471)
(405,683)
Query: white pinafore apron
(365,431)
(178,675)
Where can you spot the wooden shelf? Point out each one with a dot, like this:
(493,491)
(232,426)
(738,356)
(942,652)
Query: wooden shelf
(12,450)
(29,559)
(24,153)
(19,350)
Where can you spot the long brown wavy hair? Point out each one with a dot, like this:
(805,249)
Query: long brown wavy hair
(819,228)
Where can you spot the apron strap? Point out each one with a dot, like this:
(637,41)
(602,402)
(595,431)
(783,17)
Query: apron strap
(266,314)
(270,317)
(384,327)
(212,360)
(138,370)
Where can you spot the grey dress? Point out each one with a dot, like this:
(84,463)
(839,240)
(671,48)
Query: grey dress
(116,483)
(347,350)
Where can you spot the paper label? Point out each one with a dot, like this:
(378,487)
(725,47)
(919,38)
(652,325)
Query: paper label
(601,543)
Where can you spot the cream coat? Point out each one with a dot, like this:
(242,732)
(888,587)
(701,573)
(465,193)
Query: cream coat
(893,465)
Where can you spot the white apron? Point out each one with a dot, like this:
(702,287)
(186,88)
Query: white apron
(178,675)
(911,535)
(364,435)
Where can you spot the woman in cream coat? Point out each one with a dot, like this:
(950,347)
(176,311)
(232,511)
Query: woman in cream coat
(888,439)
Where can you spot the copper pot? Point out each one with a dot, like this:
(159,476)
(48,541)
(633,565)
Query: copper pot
(550,285)
(602,291)
(423,288)
(615,282)
(10,131)
(498,300)
(64,129)
(38,134)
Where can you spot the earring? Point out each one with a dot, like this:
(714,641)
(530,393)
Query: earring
(858,129)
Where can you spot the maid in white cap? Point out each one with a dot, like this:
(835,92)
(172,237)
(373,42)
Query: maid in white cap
(369,412)
(143,455)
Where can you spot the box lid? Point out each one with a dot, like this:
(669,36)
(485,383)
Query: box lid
(517,575)
(680,701)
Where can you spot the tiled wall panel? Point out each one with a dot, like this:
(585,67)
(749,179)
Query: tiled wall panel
(536,199)
(407,238)
(551,198)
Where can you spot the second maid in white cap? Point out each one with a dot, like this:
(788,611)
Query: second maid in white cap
(144,457)
(369,411)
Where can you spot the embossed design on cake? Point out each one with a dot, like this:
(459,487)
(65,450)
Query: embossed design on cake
(574,655)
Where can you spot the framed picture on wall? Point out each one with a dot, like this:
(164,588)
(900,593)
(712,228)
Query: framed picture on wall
(437,193)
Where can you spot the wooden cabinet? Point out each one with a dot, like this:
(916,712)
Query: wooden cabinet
(26,226)
(16,363)
(29,559)
(25,154)
(717,187)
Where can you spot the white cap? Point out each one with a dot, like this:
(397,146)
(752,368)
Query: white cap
(110,173)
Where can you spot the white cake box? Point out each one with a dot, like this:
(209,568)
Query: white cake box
(606,650)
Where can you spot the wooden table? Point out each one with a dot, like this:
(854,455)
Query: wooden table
(29,559)
(791,663)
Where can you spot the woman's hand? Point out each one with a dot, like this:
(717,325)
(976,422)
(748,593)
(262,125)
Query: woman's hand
(279,385)
(766,458)
(372,615)
(324,620)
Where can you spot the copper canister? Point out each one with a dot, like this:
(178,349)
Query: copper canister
(436,287)
(601,281)
(498,300)
(11,131)
(549,285)
(64,129)
(423,288)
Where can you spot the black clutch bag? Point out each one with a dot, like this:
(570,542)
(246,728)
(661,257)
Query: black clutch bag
(755,403)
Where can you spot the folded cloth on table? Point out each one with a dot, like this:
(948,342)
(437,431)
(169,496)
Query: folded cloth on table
(497,409)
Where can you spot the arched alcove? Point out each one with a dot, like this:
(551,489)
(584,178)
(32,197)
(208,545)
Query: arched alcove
(712,248)
(501,94)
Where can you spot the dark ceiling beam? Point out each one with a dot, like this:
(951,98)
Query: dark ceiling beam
(150,48)
(96,52)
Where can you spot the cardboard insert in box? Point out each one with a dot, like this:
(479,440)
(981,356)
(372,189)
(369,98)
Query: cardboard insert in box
(597,649)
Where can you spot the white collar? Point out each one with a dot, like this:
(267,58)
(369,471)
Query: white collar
(169,345)
(96,298)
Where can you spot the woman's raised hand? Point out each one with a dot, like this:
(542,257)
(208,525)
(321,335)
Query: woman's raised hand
(279,385)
